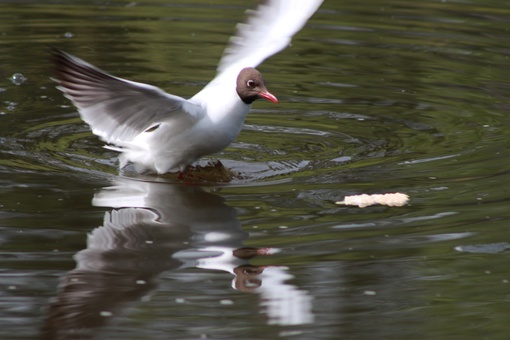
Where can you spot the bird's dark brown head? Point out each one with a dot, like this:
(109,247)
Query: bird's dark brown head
(251,86)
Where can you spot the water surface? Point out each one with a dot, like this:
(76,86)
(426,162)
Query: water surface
(375,97)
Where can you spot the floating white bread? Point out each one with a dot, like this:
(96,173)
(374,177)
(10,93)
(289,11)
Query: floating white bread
(396,199)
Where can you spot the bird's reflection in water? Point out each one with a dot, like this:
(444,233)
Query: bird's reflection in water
(156,227)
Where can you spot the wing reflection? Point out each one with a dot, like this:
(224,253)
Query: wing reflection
(156,227)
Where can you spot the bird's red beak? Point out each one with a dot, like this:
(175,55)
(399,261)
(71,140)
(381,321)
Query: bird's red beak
(269,96)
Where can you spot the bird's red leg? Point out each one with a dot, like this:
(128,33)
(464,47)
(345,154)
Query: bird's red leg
(180,174)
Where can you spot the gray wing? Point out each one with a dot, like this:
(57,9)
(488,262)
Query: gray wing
(115,108)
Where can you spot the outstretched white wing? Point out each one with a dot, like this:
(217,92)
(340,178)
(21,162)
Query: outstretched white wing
(267,31)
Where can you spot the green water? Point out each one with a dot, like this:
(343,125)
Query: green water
(375,97)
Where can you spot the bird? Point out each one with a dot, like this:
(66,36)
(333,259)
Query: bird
(161,132)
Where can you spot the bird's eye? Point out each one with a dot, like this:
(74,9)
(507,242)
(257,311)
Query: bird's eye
(250,83)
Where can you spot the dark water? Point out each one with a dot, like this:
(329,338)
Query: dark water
(376,96)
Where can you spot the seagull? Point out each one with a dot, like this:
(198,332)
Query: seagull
(162,132)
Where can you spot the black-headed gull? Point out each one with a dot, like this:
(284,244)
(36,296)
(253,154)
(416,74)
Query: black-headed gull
(162,132)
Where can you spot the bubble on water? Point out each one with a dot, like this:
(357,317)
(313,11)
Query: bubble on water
(18,79)
(11,106)
(68,35)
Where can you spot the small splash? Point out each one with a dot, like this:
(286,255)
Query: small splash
(18,79)
(213,172)
(68,35)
